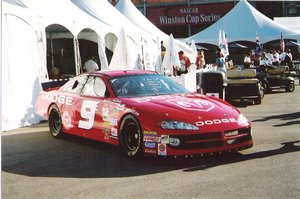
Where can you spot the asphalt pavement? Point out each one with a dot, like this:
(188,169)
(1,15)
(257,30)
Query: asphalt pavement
(35,165)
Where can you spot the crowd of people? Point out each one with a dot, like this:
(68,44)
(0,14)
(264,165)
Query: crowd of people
(269,58)
(252,59)
(200,63)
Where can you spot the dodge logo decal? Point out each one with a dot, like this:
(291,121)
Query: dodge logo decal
(193,104)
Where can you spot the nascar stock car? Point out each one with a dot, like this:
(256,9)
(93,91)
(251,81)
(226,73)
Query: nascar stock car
(144,113)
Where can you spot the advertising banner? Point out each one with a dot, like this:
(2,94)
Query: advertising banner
(202,14)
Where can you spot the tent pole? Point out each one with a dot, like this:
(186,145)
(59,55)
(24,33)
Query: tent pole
(52,56)
(189,26)
(76,55)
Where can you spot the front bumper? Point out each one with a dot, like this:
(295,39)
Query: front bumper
(201,143)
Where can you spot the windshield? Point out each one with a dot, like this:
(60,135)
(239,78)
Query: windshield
(145,85)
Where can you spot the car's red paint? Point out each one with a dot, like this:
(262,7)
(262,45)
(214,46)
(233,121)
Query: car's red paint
(221,127)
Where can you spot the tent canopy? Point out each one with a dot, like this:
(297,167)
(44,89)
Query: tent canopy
(128,9)
(292,23)
(243,23)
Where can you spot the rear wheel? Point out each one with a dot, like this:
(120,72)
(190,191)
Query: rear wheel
(131,137)
(55,122)
(290,87)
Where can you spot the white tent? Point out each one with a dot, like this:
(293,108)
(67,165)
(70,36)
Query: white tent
(128,9)
(122,58)
(243,23)
(140,39)
(292,23)
(23,66)
(75,20)
(171,54)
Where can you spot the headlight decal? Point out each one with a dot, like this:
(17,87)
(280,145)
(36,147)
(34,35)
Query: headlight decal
(242,120)
(174,125)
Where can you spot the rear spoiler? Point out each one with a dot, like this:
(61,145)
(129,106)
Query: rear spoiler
(54,84)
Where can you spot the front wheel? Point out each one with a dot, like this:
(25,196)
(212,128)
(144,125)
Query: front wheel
(131,136)
(55,122)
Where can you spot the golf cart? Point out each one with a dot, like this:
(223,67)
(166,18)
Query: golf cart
(276,78)
(243,84)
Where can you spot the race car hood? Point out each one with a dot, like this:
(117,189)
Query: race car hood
(196,109)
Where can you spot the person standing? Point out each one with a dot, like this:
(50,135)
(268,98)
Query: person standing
(220,62)
(200,60)
(184,63)
(91,65)
(275,56)
(289,59)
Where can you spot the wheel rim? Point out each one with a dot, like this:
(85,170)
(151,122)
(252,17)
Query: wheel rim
(132,137)
(55,122)
(291,87)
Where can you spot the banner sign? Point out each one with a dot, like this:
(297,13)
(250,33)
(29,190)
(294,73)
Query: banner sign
(188,15)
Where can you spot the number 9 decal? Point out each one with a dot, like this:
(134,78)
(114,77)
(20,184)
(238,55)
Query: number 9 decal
(87,112)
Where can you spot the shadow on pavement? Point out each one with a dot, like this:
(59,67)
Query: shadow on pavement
(290,119)
(38,154)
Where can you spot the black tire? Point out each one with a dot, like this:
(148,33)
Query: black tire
(55,122)
(258,100)
(131,137)
(290,87)
(260,96)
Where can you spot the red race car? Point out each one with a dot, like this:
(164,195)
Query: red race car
(145,113)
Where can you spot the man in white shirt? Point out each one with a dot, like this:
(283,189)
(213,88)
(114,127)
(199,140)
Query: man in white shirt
(282,57)
(275,61)
(90,65)
(247,60)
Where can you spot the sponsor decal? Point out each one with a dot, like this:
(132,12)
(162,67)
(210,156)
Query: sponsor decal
(135,112)
(150,133)
(114,132)
(216,121)
(162,149)
(148,99)
(230,141)
(111,112)
(106,125)
(151,151)
(193,104)
(151,139)
(105,113)
(61,99)
(185,103)
(165,139)
(151,145)
(67,120)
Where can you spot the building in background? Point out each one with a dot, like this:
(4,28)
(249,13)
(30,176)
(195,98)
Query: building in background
(184,18)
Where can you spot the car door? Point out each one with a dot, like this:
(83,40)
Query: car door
(70,112)
(92,97)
